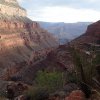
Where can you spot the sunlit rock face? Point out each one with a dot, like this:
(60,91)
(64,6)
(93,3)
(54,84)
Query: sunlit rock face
(11,7)
(11,1)
(21,39)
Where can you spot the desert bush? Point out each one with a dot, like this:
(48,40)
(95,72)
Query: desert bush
(85,64)
(78,64)
(71,77)
(37,93)
(3,95)
(96,61)
(45,83)
(51,80)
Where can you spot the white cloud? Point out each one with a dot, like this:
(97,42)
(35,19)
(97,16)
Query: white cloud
(64,14)
(93,1)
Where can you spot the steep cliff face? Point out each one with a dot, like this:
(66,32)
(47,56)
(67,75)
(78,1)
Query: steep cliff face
(22,41)
(92,34)
(94,30)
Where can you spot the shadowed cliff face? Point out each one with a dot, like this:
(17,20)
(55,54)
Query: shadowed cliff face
(92,34)
(94,30)
(21,41)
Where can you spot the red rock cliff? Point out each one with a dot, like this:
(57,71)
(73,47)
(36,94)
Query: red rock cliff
(92,34)
(22,42)
(94,30)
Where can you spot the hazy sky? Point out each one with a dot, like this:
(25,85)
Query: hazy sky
(62,10)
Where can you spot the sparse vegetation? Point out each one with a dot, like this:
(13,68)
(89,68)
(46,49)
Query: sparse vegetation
(51,80)
(96,61)
(71,77)
(47,83)
(37,93)
(78,64)
(2,96)
(86,63)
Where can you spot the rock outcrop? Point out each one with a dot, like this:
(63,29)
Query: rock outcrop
(22,41)
(11,7)
(92,34)
(76,95)
(94,30)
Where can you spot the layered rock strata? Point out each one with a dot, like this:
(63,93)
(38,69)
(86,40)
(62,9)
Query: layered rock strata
(22,41)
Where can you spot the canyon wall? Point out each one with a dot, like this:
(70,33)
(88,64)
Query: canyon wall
(22,41)
(92,35)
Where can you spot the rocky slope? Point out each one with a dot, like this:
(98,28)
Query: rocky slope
(58,60)
(61,59)
(22,41)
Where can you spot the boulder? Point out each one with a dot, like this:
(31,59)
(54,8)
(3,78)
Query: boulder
(76,95)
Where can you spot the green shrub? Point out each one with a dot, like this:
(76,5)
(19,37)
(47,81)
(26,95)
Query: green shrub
(51,80)
(71,77)
(86,64)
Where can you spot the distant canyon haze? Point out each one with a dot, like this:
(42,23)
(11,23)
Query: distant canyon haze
(65,31)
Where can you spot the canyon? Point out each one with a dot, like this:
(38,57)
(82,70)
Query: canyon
(92,35)
(26,48)
(66,32)
(22,41)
